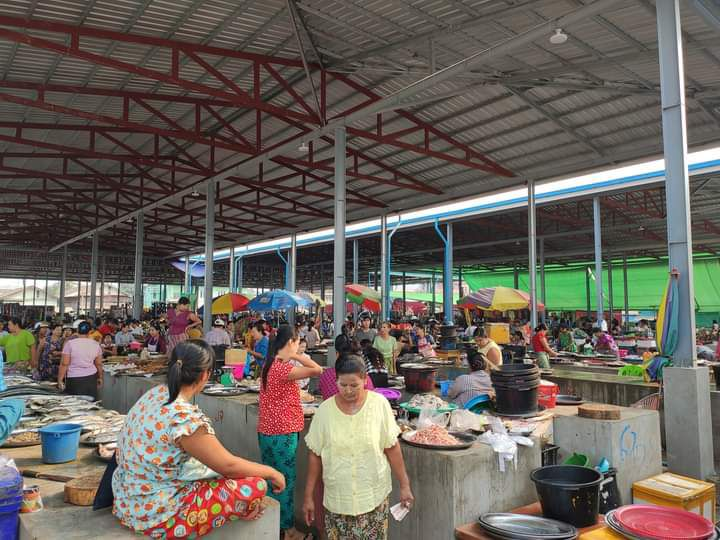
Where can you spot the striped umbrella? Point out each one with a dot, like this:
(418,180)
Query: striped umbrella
(497,299)
(668,314)
(363,296)
(229,303)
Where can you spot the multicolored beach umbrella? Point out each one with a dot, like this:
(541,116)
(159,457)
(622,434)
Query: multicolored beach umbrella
(363,296)
(667,320)
(497,299)
(229,303)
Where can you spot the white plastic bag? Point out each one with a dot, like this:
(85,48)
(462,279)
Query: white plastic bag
(463,420)
(501,443)
(429,416)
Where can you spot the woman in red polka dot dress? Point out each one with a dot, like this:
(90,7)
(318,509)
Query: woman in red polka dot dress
(281,418)
(174,479)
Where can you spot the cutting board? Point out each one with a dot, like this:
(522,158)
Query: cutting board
(599,411)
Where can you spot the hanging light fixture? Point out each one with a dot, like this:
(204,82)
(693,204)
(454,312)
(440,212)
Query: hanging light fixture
(303,147)
(195,193)
(559,37)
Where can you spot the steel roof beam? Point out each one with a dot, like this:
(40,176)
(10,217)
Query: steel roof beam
(498,50)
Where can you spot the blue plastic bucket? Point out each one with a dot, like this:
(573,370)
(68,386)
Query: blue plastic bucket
(11,485)
(60,442)
(444,387)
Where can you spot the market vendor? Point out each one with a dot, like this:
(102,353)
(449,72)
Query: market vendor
(364,331)
(124,337)
(80,371)
(19,345)
(218,336)
(388,346)
(488,348)
(566,339)
(643,330)
(174,479)
(353,447)
(260,348)
(424,342)
(474,384)
(181,320)
(155,341)
(108,346)
(541,347)
(603,343)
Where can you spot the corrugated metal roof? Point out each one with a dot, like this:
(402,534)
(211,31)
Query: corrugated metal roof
(542,111)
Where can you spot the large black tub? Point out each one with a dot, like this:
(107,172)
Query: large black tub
(569,493)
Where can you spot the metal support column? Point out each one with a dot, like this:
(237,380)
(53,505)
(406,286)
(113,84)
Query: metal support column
(138,289)
(240,276)
(432,288)
(188,276)
(599,301)
(47,282)
(516,276)
(339,247)
(460,283)
(587,290)
(94,263)
(542,275)
(447,271)
(102,282)
(385,309)
(687,386)
(292,278)
(626,294)
(209,251)
(356,271)
(231,271)
(532,255)
(63,279)
(77,313)
(610,290)
(404,294)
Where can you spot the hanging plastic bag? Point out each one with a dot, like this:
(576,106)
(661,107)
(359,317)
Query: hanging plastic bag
(501,443)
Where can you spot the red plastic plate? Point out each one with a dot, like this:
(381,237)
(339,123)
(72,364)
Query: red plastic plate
(663,523)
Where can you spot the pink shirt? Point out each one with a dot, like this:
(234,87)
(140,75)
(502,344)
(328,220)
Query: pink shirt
(82,351)
(178,321)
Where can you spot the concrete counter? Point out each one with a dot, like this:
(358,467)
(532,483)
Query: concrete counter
(451,487)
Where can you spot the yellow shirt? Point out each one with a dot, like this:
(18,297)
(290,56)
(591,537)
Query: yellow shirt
(356,472)
(97,336)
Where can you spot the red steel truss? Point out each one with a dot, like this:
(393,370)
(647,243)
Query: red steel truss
(148,151)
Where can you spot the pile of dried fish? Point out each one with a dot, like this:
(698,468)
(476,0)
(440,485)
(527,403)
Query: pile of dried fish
(99,425)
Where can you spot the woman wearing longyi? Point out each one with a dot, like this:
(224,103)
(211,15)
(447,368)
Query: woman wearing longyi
(281,419)
(353,443)
(174,479)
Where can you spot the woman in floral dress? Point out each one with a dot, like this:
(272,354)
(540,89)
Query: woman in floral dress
(50,355)
(174,479)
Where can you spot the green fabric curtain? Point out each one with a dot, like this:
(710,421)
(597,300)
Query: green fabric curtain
(566,290)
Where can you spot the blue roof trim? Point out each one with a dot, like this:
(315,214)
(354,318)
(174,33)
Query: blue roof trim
(616,182)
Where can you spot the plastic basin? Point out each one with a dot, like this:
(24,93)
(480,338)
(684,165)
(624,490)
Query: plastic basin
(60,442)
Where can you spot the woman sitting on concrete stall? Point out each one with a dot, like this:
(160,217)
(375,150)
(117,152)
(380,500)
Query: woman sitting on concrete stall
(174,479)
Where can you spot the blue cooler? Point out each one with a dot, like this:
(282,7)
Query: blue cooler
(11,495)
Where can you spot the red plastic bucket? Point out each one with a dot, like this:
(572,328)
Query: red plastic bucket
(547,394)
